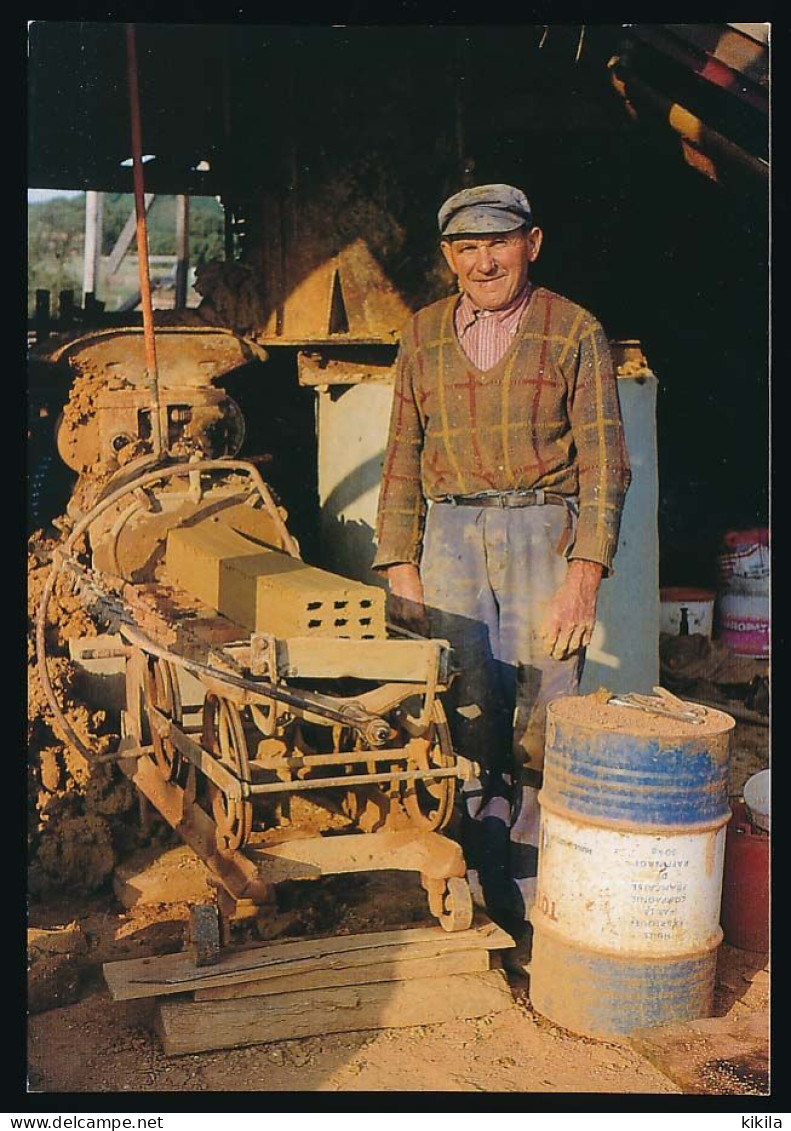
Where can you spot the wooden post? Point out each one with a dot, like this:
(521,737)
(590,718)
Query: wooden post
(42,315)
(66,308)
(182,250)
(228,230)
(94,207)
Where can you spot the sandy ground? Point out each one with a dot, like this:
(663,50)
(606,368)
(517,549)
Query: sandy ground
(83,1042)
(97,1045)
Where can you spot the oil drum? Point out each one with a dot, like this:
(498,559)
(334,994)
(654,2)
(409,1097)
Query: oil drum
(626,918)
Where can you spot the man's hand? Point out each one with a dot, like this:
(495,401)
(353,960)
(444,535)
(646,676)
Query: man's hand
(406,597)
(568,624)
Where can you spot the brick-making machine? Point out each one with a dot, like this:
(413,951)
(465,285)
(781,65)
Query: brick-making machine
(252,679)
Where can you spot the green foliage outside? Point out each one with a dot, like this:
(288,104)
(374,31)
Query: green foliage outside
(56,237)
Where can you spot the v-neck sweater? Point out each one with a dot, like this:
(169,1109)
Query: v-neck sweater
(546,416)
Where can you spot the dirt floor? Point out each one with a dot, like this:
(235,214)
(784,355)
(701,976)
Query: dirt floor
(83,824)
(82,1041)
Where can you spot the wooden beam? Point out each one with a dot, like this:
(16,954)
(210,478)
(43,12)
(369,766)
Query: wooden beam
(400,969)
(407,850)
(128,233)
(187,1027)
(411,661)
(177,973)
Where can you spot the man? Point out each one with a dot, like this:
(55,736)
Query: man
(499,511)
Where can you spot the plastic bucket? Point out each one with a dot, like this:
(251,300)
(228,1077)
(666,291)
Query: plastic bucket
(742,621)
(699,604)
(757,797)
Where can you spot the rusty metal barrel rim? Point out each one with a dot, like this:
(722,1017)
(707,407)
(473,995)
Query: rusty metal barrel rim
(642,772)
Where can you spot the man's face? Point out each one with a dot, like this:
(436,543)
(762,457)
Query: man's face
(493,269)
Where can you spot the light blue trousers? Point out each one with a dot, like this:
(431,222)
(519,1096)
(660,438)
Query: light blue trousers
(488,575)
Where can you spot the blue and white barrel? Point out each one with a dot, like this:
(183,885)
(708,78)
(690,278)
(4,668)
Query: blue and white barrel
(626,918)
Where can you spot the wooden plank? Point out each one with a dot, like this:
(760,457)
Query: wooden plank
(405,850)
(187,1027)
(176,973)
(396,970)
(727,46)
(327,368)
(713,1056)
(410,661)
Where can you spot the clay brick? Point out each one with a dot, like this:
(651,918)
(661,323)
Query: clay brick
(266,590)
(195,555)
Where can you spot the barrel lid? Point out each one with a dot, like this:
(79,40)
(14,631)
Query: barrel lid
(685,593)
(594,712)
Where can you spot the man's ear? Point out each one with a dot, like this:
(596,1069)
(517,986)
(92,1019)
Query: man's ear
(447,251)
(535,238)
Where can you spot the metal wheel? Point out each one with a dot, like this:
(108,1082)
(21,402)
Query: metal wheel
(457,910)
(162,691)
(430,803)
(369,807)
(224,737)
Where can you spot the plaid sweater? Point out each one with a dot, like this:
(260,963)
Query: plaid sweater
(545,416)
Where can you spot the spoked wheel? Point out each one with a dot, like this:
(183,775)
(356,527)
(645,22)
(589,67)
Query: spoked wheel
(368,806)
(430,803)
(162,691)
(224,737)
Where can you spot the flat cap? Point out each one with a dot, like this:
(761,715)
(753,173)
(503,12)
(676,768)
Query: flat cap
(483,209)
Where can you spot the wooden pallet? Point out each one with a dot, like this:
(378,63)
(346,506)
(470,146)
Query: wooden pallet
(305,987)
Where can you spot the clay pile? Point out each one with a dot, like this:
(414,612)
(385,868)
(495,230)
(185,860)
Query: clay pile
(81,815)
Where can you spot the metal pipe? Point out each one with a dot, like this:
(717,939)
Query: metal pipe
(372,727)
(352,779)
(142,238)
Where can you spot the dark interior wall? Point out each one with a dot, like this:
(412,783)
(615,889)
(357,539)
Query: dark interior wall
(385,124)
(364,131)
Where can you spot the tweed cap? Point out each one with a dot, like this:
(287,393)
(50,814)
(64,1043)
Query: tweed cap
(484,209)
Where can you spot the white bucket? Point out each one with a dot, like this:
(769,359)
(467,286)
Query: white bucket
(699,604)
(757,797)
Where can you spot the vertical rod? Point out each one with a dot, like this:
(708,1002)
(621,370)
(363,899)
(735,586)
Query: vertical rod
(42,315)
(142,239)
(228,230)
(94,207)
(66,308)
(182,249)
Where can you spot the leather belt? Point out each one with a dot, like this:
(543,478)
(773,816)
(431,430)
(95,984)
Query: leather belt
(536,498)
